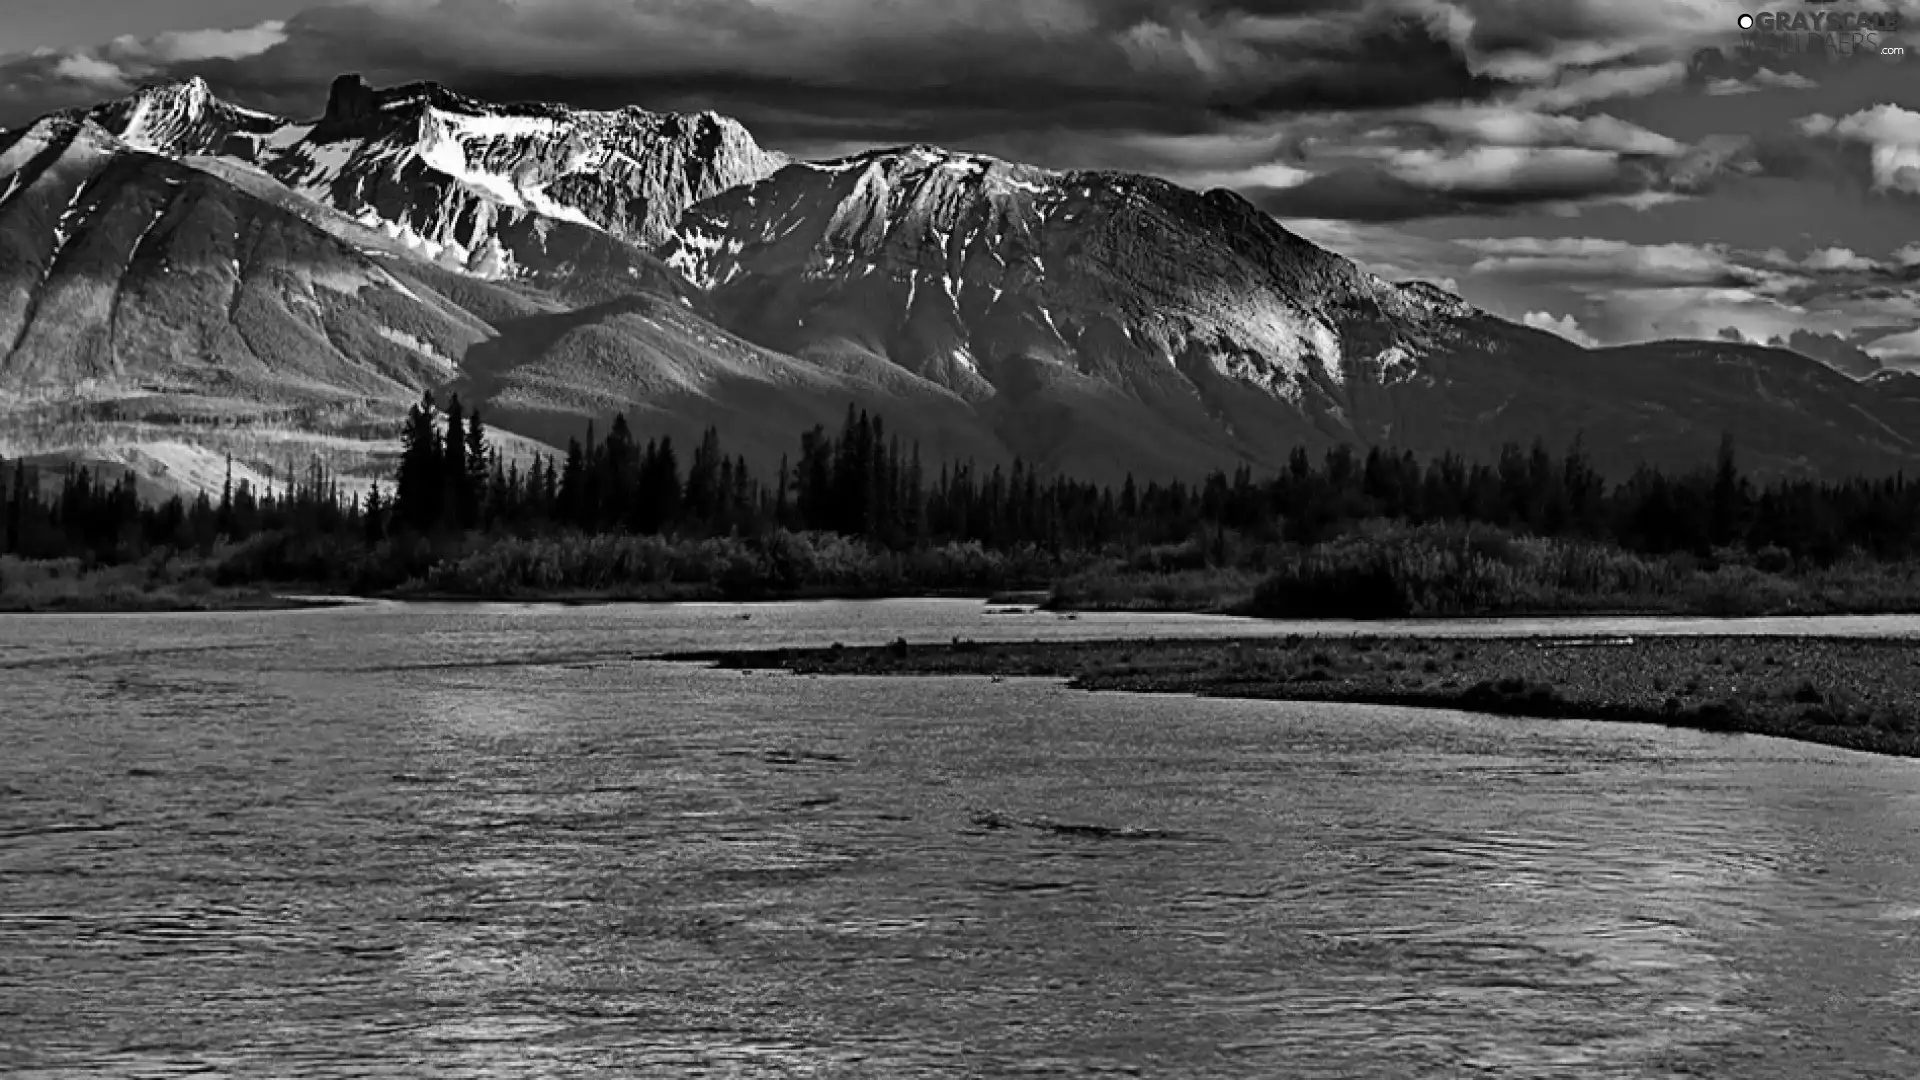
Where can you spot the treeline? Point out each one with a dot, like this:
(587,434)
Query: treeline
(452,490)
(98,520)
(861,483)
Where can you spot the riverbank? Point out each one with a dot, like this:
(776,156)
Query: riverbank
(1382,571)
(1856,694)
(89,598)
(163,601)
(240,582)
(1435,572)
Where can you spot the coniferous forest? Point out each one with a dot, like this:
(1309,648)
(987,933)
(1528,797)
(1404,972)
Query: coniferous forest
(857,512)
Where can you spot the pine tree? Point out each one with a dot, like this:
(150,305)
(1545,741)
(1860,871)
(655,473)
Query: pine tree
(373,521)
(224,515)
(618,472)
(417,485)
(571,505)
(453,469)
(478,474)
(782,511)
(17,510)
(1730,497)
(550,490)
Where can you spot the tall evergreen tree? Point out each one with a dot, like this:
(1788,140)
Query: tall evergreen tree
(453,469)
(571,506)
(417,484)
(477,477)
(1730,498)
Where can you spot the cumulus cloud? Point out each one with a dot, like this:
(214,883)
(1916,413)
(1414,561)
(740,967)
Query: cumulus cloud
(1496,161)
(1896,348)
(1509,125)
(48,79)
(1620,291)
(1499,157)
(1891,135)
(91,71)
(1565,325)
(1833,350)
(1837,258)
(1614,263)
(1586,87)
(1505,171)
(1820,302)
(193,46)
(1639,314)
(1784,80)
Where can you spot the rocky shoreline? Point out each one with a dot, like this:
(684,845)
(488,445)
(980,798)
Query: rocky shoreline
(1859,694)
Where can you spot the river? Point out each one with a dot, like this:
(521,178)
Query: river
(487,842)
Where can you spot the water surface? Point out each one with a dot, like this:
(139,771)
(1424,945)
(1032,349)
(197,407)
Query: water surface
(485,842)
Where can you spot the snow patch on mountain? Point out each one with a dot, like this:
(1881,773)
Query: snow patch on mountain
(708,261)
(443,146)
(407,341)
(1172,277)
(464,181)
(310,168)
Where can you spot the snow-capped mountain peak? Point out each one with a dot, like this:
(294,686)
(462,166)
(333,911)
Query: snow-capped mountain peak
(955,259)
(186,119)
(629,172)
(490,189)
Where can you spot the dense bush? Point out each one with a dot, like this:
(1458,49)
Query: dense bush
(782,563)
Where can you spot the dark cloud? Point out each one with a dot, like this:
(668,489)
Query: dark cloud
(906,70)
(1358,194)
(1403,62)
(1771,68)
(1831,349)
(1454,106)
(1477,180)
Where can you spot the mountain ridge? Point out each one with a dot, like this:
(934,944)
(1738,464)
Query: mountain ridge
(489,189)
(1093,322)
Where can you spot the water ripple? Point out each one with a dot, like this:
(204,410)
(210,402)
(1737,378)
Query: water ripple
(475,843)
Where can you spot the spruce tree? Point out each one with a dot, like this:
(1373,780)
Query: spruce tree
(477,477)
(453,474)
(571,505)
(418,482)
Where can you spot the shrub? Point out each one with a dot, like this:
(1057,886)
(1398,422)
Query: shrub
(1773,560)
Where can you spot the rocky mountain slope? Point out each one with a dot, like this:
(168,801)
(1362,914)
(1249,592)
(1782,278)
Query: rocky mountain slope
(1101,318)
(156,315)
(172,259)
(494,190)
(161,312)
(128,273)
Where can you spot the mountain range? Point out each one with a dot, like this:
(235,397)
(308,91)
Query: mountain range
(182,278)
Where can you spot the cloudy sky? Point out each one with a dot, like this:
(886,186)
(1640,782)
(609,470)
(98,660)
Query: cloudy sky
(1614,170)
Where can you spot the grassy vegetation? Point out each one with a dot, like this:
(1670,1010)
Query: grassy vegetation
(160,584)
(1393,570)
(781,565)
(568,568)
(1856,694)
(1379,572)
(1212,590)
